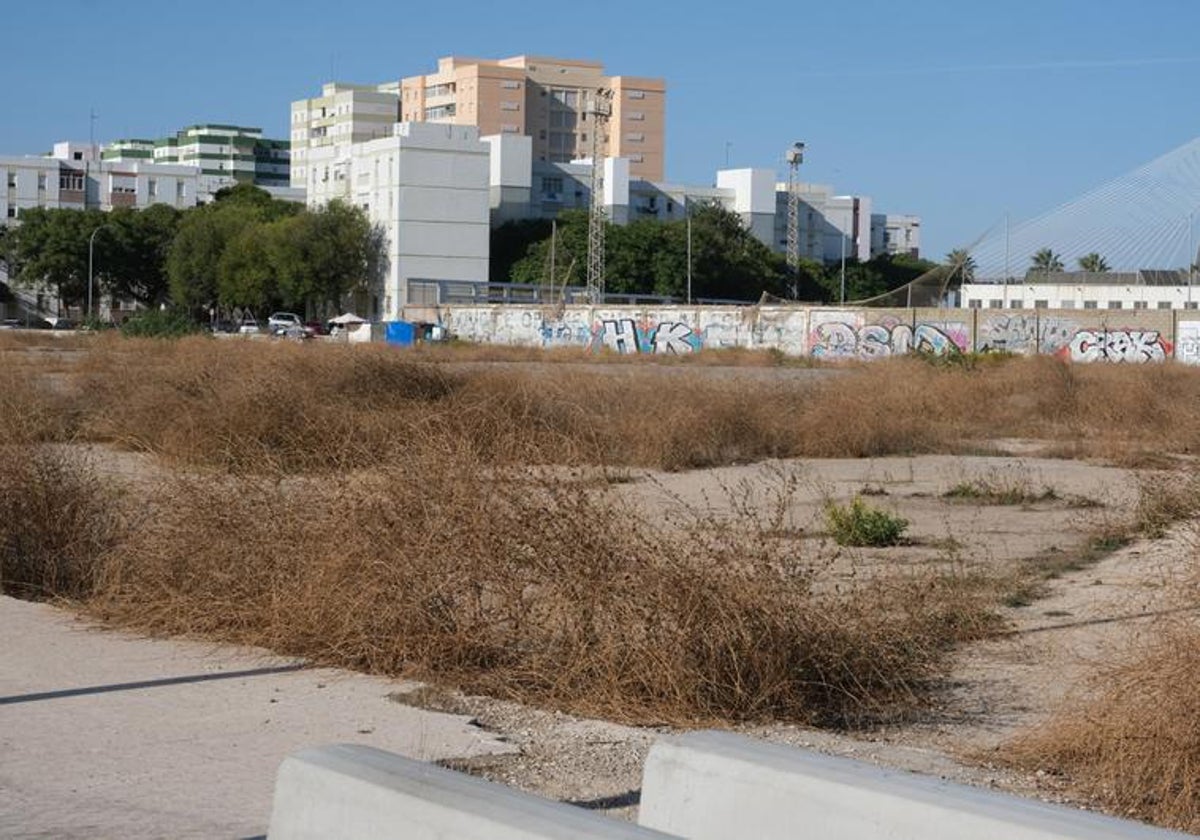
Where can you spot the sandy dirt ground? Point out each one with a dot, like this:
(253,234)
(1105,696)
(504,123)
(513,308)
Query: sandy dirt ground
(103,734)
(106,734)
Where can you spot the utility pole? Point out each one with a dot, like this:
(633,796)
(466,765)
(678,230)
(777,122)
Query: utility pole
(687,211)
(794,157)
(599,107)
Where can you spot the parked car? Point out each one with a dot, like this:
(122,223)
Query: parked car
(63,324)
(224,325)
(316,328)
(282,321)
(248,326)
(10,324)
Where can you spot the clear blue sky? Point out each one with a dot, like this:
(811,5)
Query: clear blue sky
(957,111)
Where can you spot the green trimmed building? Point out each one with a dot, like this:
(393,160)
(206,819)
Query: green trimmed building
(227,151)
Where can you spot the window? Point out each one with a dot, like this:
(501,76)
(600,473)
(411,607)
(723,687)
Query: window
(441,112)
(180,191)
(1089,304)
(70,181)
(152,187)
(1191,304)
(995,303)
(510,106)
(510,84)
(1041,304)
(974,304)
(636,116)
(1139,304)
(41,181)
(1164,304)
(637,94)
(635,137)
(509,128)
(12,180)
(12,212)
(570,98)
(1114,304)
(552,185)
(1016,303)
(636,158)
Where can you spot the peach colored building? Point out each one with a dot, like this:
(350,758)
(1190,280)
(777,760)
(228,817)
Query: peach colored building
(545,99)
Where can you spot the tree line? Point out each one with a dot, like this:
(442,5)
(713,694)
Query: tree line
(650,257)
(244,250)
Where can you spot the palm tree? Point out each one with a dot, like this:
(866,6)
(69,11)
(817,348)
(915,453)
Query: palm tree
(1093,263)
(1046,261)
(961,263)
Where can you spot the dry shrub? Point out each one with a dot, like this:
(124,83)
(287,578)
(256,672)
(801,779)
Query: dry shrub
(545,592)
(57,522)
(29,412)
(1136,747)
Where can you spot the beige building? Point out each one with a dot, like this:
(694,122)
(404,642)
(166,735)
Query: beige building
(545,99)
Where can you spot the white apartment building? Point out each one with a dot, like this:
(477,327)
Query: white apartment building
(341,115)
(427,185)
(75,177)
(895,234)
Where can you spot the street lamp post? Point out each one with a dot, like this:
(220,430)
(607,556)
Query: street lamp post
(91,247)
(687,212)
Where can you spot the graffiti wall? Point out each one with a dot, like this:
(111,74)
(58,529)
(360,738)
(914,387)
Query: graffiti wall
(1109,336)
(877,333)
(1090,336)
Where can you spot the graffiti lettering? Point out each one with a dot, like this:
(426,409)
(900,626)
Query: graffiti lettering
(625,336)
(840,340)
(1128,346)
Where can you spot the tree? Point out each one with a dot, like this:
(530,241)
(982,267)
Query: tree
(1093,263)
(961,264)
(49,250)
(1046,261)
(323,255)
(194,256)
(134,249)
(246,272)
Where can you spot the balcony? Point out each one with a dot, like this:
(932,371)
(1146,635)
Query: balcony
(122,199)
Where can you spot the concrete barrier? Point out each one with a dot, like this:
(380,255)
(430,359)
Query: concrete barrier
(349,791)
(718,785)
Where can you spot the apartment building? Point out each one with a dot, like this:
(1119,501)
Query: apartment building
(343,114)
(545,99)
(895,234)
(75,176)
(238,153)
(427,187)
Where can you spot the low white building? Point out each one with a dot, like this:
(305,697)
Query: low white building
(895,234)
(1150,289)
(427,185)
(74,177)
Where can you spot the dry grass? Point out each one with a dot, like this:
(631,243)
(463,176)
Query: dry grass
(57,524)
(1135,749)
(542,591)
(375,509)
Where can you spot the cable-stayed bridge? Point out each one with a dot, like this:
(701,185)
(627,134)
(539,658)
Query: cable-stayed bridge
(1146,219)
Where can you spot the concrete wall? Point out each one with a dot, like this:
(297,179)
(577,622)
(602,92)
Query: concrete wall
(1099,335)
(350,791)
(716,785)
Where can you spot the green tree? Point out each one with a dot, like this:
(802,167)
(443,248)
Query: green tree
(49,251)
(246,271)
(1093,263)
(323,255)
(194,256)
(1046,261)
(962,265)
(134,247)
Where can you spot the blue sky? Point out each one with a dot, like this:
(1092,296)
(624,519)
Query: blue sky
(956,111)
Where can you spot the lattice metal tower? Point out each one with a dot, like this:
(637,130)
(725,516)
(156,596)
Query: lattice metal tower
(795,157)
(599,108)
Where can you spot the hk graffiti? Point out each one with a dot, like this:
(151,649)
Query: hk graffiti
(626,336)
(841,340)
(1118,346)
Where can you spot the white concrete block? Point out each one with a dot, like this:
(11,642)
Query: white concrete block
(710,785)
(350,791)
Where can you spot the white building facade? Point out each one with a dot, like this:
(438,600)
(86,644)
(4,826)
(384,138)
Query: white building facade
(1080,290)
(427,186)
